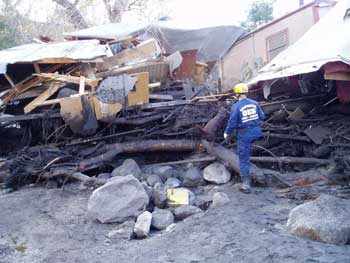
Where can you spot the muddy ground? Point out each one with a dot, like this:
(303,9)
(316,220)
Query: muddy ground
(40,225)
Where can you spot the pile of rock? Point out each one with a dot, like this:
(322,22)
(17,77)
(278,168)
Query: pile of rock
(139,201)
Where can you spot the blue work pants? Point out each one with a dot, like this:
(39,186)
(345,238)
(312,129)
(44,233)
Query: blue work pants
(245,139)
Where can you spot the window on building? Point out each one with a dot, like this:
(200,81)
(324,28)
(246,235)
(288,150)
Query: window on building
(276,44)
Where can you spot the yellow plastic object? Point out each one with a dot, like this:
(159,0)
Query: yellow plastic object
(241,88)
(177,196)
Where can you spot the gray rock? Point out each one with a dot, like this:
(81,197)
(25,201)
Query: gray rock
(162,218)
(203,201)
(104,176)
(159,196)
(326,219)
(172,183)
(148,189)
(117,201)
(184,211)
(220,200)
(217,173)
(143,225)
(124,231)
(129,166)
(165,172)
(153,179)
(193,177)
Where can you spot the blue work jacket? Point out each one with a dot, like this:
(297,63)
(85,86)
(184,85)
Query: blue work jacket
(245,114)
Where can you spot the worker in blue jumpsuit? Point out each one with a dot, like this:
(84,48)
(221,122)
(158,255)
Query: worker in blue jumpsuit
(246,115)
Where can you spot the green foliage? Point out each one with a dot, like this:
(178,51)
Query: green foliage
(259,13)
(7,36)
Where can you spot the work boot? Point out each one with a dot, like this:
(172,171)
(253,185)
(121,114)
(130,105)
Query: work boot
(246,180)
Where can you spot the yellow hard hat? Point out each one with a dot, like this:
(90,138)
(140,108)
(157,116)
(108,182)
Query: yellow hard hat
(241,88)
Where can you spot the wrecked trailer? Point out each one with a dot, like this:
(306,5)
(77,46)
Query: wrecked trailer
(314,63)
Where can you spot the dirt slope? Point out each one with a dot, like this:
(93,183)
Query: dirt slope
(38,225)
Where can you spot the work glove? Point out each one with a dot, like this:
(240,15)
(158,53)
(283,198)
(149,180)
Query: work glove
(225,135)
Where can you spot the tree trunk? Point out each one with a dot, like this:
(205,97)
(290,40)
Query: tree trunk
(141,146)
(74,15)
(232,159)
(114,11)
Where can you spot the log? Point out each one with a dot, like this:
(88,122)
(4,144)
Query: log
(290,160)
(232,159)
(141,146)
(105,137)
(139,121)
(287,137)
(198,160)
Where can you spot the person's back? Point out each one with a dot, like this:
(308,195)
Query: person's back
(246,115)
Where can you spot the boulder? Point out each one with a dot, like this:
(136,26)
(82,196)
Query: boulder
(193,177)
(162,218)
(220,199)
(104,176)
(184,211)
(159,196)
(165,172)
(122,232)
(118,200)
(172,183)
(148,189)
(203,201)
(326,219)
(217,173)
(153,179)
(143,225)
(129,166)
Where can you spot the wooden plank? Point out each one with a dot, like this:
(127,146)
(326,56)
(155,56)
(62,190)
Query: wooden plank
(160,97)
(9,80)
(141,94)
(55,86)
(37,68)
(57,61)
(154,85)
(32,93)
(344,76)
(144,51)
(159,70)
(204,159)
(82,85)
(26,84)
(70,79)
(48,102)
(165,104)
(105,112)
(122,39)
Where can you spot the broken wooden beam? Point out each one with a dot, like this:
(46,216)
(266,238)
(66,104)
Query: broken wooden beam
(161,97)
(71,79)
(26,84)
(142,146)
(54,87)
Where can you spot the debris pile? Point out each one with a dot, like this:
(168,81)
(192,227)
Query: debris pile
(79,110)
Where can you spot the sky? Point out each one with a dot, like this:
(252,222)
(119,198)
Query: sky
(186,13)
(198,13)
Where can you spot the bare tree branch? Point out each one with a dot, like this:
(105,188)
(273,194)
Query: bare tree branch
(74,15)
